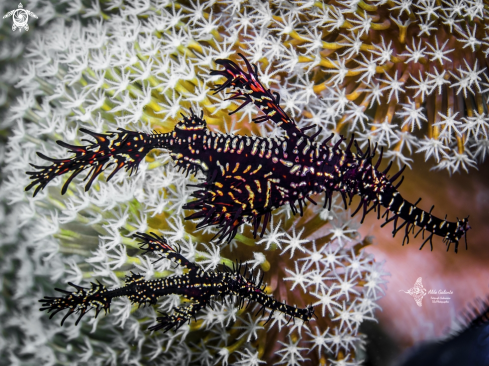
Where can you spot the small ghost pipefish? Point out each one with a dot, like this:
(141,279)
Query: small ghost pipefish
(247,177)
(200,287)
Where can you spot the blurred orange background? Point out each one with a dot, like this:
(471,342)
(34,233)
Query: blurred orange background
(466,273)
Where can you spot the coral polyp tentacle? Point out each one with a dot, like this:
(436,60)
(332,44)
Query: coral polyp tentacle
(248,177)
(200,287)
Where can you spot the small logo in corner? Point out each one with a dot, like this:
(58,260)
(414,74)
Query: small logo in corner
(20,17)
(417,292)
